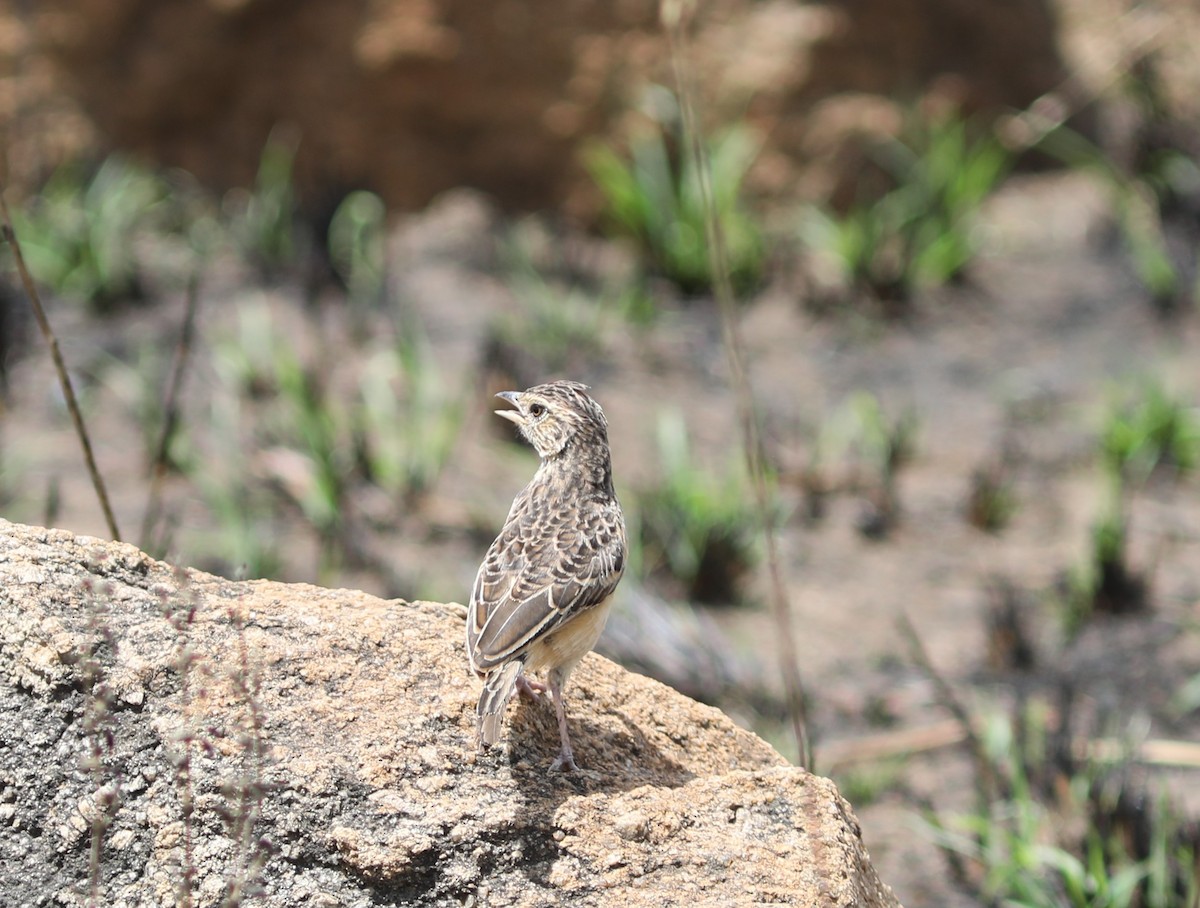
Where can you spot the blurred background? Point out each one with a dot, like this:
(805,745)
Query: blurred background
(291,248)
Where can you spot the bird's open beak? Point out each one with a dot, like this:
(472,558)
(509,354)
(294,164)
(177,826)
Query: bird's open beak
(514,415)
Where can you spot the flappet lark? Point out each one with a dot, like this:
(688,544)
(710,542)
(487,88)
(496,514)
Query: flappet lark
(542,594)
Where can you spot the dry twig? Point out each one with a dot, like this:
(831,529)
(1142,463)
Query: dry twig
(170,415)
(674,17)
(64,379)
(989,783)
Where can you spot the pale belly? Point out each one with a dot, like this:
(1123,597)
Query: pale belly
(570,643)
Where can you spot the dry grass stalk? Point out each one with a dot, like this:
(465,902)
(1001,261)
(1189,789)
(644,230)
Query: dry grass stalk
(675,14)
(64,379)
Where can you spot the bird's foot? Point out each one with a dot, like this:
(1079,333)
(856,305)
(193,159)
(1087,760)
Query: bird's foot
(529,688)
(565,762)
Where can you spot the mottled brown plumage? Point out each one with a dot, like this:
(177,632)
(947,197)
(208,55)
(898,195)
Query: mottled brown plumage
(541,596)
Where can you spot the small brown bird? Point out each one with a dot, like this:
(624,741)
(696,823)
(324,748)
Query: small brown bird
(542,594)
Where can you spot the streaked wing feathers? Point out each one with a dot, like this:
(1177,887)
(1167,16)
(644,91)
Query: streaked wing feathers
(540,570)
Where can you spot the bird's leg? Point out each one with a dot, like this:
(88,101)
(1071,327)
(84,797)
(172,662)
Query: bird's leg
(566,759)
(529,687)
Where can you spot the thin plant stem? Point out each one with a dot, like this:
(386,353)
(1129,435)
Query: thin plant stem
(158,467)
(674,15)
(179,608)
(250,790)
(98,730)
(187,804)
(990,787)
(64,379)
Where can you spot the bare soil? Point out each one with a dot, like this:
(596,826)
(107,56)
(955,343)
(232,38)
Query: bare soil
(1032,349)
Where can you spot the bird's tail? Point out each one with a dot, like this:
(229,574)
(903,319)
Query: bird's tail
(498,688)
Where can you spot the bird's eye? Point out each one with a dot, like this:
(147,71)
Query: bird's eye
(536,410)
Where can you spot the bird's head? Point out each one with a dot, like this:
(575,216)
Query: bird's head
(554,415)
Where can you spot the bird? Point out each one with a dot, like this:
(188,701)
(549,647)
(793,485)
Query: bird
(542,594)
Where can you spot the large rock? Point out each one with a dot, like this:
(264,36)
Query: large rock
(413,97)
(316,746)
(406,97)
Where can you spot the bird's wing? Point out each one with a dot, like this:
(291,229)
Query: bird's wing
(541,570)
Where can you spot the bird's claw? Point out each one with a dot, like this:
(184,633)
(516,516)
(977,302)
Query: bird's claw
(530,688)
